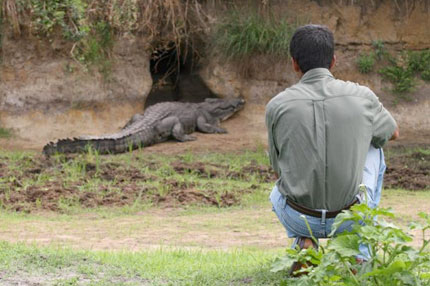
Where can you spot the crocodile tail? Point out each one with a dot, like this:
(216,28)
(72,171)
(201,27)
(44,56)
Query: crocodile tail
(76,145)
(109,144)
(102,146)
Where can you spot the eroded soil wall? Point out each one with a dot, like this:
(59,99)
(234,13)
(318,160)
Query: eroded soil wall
(45,94)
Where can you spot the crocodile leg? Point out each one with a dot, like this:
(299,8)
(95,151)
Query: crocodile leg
(172,126)
(179,134)
(204,126)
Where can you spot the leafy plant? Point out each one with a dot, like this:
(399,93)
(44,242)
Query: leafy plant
(365,63)
(87,28)
(402,71)
(69,15)
(425,75)
(401,77)
(419,62)
(392,261)
(379,47)
(5,133)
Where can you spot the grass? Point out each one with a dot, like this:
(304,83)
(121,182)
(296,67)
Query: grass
(242,34)
(132,181)
(63,266)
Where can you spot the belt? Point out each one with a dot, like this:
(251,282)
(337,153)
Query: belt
(318,213)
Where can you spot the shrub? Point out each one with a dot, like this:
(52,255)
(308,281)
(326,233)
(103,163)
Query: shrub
(88,26)
(402,72)
(419,62)
(5,133)
(69,15)
(240,35)
(401,77)
(365,63)
(392,261)
(380,51)
(425,75)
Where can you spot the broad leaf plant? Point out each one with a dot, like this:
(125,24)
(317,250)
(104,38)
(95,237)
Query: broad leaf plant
(393,261)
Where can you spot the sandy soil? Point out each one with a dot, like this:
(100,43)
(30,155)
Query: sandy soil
(176,227)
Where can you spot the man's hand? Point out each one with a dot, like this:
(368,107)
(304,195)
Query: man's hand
(395,134)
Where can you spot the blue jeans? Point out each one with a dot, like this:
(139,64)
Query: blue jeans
(295,226)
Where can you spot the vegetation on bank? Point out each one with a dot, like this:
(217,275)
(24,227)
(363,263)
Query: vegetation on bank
(400,69)
(87,29)
(241,35)
(5,133)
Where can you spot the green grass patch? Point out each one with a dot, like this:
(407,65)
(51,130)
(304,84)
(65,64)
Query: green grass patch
(242,34)
(62,266)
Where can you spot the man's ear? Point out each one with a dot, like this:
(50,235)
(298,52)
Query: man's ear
(296,66)
(333,62)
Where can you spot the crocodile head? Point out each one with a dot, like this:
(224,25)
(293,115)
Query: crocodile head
(222,108)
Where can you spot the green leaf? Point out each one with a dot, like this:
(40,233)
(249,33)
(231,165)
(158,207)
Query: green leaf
(394,267)
(335,278)
(343,217)
(406,277)
(416,225)
(282,263)
(345,245)
(424,215)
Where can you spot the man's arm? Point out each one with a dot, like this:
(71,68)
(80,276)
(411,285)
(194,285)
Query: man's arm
(273,152)
(384,126)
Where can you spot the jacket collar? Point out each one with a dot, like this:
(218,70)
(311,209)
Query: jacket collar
(316,74)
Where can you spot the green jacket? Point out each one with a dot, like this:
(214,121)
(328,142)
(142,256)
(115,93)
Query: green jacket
(319,133)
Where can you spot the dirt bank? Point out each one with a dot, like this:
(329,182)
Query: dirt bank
(45,95)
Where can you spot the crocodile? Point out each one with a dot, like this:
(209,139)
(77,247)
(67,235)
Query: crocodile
(158,123)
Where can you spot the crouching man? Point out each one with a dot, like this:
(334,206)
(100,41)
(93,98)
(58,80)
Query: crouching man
(325,139)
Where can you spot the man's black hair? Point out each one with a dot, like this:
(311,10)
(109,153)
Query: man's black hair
(312,46)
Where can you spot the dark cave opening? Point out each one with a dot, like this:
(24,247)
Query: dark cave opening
(175,78)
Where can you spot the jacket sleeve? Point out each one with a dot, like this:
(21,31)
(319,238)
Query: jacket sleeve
(273,151)
(384,125)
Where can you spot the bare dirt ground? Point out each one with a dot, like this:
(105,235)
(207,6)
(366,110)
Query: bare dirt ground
(177,227)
